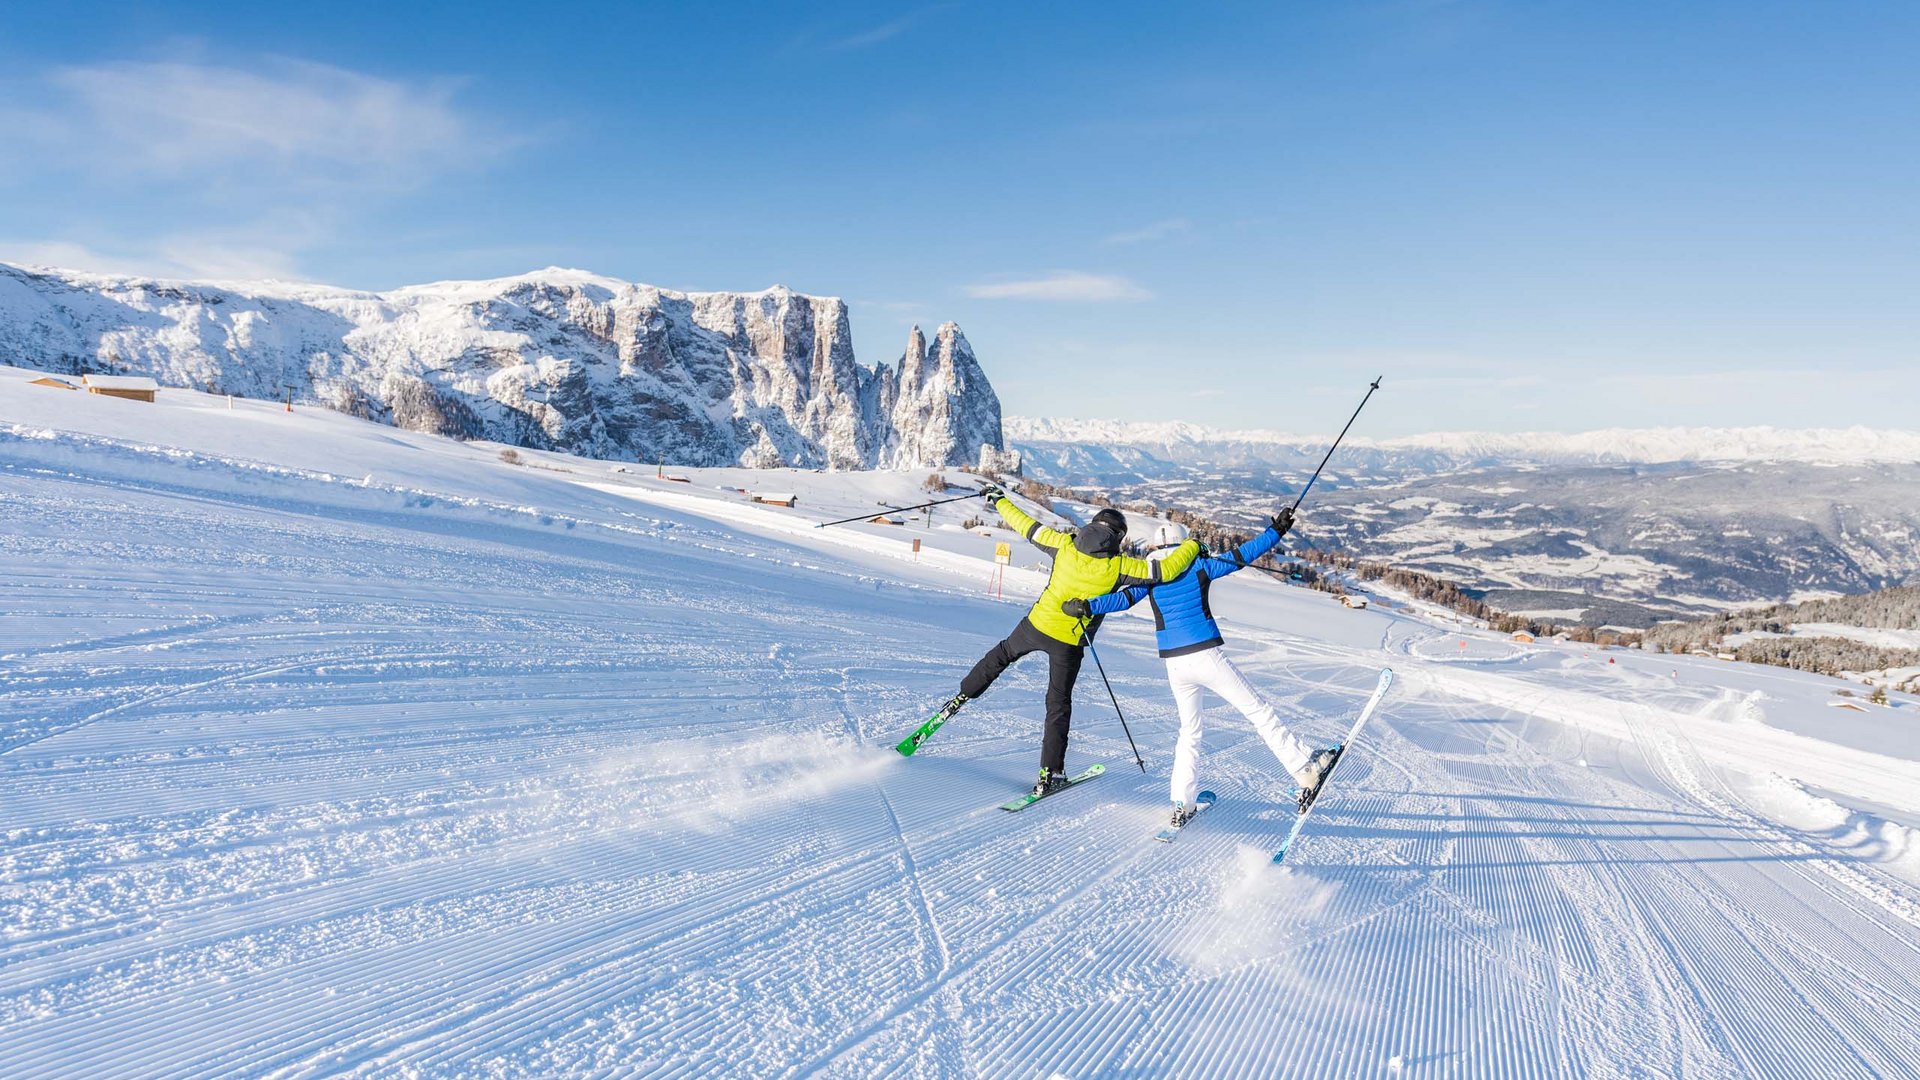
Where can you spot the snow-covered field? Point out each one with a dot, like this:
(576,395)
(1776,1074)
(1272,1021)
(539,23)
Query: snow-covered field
(330,749)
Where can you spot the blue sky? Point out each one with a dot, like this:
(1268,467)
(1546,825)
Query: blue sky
(1526,215)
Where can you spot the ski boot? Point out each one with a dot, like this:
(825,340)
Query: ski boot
(1182,814)
(952,706)
(1049,783)
(1313,774)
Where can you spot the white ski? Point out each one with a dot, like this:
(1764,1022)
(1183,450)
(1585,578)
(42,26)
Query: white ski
(1340,749)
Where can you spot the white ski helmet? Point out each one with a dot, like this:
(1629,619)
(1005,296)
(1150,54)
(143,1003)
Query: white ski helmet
(1166,534)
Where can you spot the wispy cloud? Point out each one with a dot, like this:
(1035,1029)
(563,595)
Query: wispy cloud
(175,258)
(289,117)
(265,247)
(1159,230)
(249,164)
(1072,286)
(886,31)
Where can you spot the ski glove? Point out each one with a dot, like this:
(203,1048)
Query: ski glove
(992,493)
(1283,520)
(1077,608)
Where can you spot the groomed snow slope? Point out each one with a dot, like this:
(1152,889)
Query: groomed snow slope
(327,749)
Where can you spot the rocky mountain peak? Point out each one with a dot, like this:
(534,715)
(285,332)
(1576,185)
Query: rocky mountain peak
(941,398)
(557,359)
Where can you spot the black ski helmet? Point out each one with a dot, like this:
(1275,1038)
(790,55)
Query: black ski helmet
(1112,519)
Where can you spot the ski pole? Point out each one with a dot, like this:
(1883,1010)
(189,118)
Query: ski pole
(1336,442)
(899,509)
(1102,669)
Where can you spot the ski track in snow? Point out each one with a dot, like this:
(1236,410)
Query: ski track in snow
(304,781)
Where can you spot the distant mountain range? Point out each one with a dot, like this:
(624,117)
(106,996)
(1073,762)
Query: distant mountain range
(1619,527)
(1196,445)
(556,359)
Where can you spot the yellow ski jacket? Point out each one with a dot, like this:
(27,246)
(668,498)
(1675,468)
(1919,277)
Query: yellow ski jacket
(1084,574)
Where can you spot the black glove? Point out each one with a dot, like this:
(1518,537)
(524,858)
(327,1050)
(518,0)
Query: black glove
(992,493)
(1283,521)
(1077,608)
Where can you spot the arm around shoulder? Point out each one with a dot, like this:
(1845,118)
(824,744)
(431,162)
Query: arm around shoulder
(1176,561)
(1117,601)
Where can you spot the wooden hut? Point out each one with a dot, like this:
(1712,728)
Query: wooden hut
(55,381)
(776,500)
(131,387)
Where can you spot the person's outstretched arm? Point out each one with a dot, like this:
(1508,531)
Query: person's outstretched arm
(1220,566)
(1142,572)
(1048,540)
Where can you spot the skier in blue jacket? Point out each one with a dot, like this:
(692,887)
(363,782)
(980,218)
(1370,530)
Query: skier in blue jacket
(1190,642)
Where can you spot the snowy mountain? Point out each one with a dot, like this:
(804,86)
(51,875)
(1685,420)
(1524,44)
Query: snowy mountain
(557,359)
(1194,444)
(1670,521)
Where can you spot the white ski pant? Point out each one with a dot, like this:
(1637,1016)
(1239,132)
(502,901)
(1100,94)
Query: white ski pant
(1191,676)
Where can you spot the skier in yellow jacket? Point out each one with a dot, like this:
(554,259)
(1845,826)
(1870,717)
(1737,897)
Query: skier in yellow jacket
(1086,563)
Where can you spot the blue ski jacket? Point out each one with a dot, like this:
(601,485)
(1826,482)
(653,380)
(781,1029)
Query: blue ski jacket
(1181,616)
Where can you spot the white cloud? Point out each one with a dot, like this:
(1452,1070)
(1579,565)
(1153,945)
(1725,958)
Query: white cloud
(886,31)
(874,36)
(1063,285)
(1159,230)
(265,245)
(289,118)
(213,256)
(175,258)
(179,169)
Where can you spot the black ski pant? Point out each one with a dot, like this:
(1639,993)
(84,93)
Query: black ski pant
(1063,668)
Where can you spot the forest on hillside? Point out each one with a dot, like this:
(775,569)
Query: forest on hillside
(1897,608)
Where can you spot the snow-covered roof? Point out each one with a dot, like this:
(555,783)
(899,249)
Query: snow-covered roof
(120,382)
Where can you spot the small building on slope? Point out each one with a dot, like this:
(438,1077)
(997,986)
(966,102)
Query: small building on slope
(131,387)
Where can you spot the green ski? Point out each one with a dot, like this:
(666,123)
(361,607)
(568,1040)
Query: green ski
(1030,798)
(925,731)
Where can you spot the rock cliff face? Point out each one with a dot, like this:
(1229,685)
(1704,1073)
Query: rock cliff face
(557,359)
(938,400)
